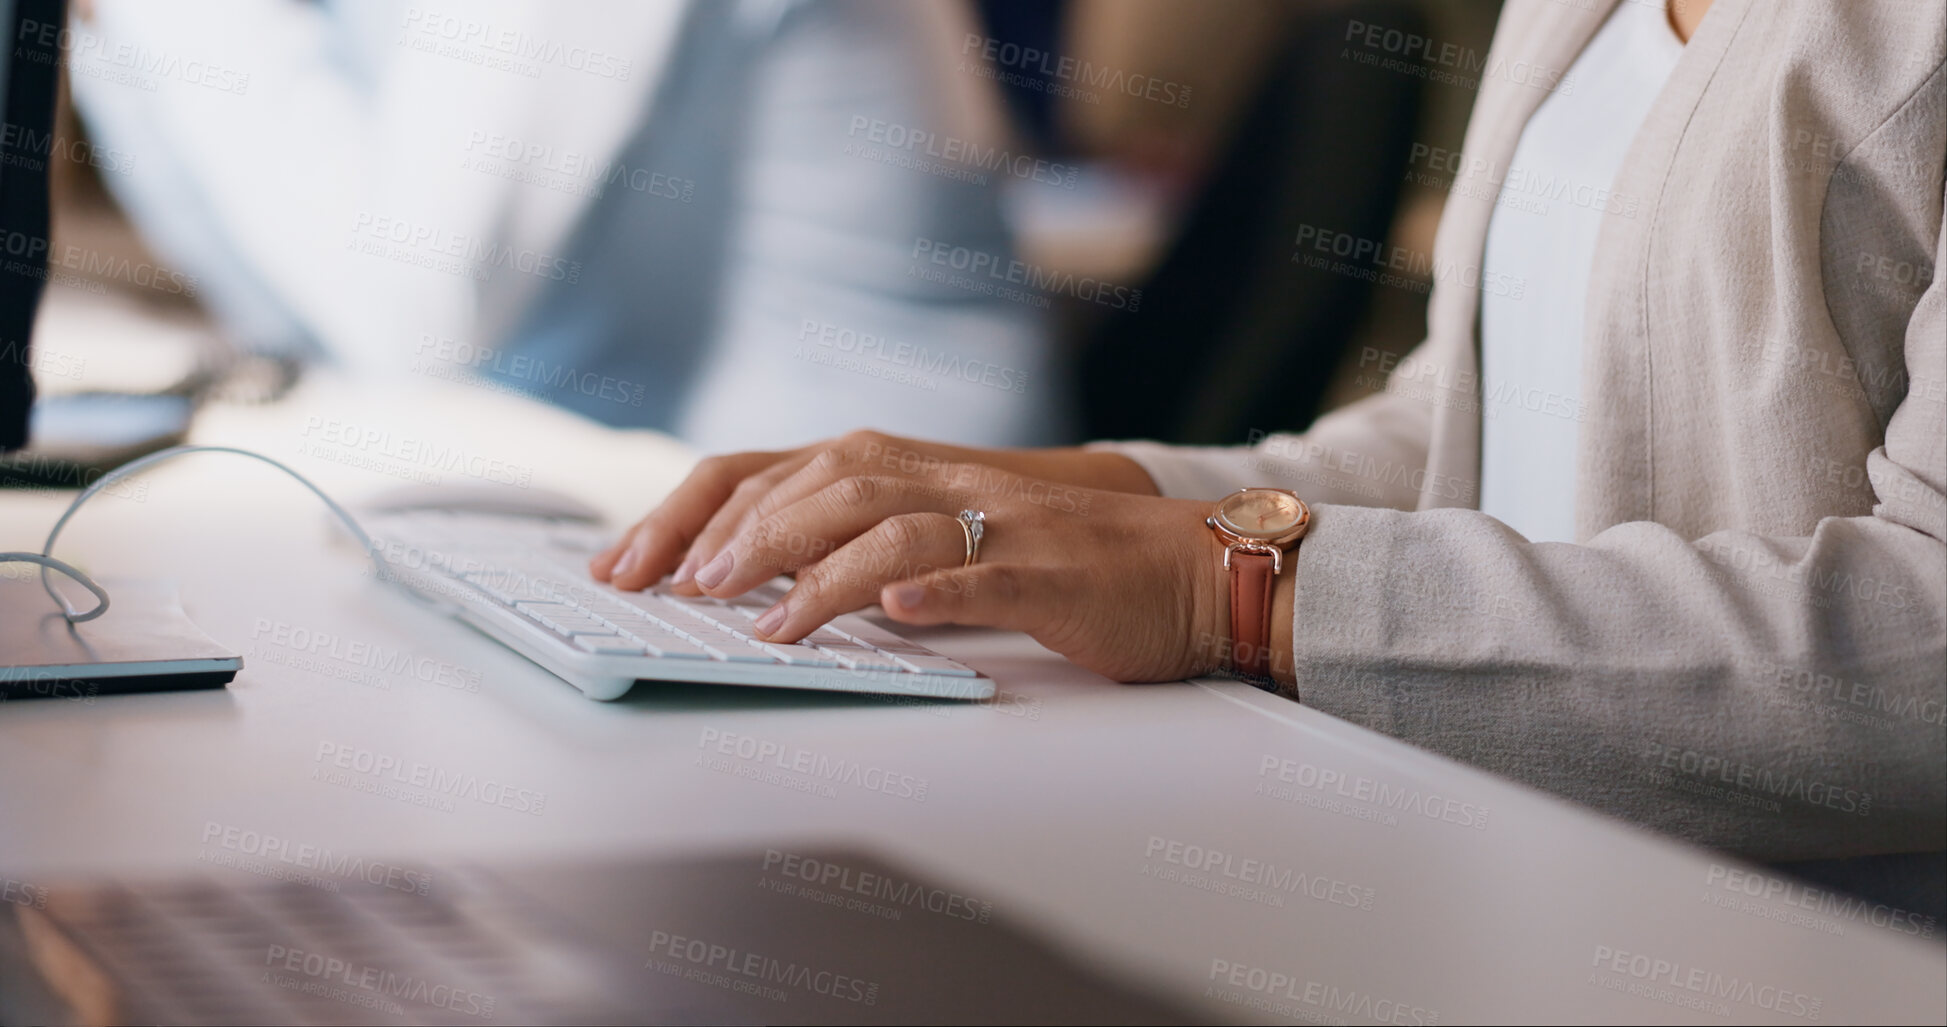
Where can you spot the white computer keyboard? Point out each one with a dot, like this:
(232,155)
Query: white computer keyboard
(524,582)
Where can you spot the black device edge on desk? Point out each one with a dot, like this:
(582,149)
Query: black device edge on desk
(79,689)
(31,81)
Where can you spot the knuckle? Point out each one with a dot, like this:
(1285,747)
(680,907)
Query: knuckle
(857,490)
(711,469)
(759,537)
(902,535)
(714,535)
(648,529)
(767,499)
(768,536)
(779,542)
(861,438)
(728,529)
(961,478)
(1001,582)
(815,586)
(829,463)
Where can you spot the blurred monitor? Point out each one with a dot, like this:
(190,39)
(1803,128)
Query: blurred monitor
(29,76)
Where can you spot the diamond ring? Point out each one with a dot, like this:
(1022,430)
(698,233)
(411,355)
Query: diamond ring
(974,523)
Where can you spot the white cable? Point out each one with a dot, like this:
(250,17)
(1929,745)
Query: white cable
(47,562)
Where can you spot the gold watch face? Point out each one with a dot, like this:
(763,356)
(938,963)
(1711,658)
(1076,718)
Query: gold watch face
(1267,515)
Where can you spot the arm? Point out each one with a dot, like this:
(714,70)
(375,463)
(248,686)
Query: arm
(290,154)
(261,132)
(1779,697)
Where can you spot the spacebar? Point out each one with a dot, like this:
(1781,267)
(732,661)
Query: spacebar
(673,648)
(931,664)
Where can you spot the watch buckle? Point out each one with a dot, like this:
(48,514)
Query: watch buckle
(1276,554)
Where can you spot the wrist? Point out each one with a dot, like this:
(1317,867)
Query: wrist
(1258,535)
(1284,611)
(1215,650)
(1111,472)
(1216,644)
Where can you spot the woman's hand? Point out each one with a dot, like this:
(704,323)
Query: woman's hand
(726,496)
(1127,585)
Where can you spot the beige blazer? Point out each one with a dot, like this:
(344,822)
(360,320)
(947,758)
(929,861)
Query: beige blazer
(1746,645)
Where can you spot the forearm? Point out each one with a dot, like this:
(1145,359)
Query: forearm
(1713,689)
(278,114)
(1282,666)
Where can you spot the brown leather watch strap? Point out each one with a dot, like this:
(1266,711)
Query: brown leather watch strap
(1251,581)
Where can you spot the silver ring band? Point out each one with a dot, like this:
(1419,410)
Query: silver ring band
(974,523)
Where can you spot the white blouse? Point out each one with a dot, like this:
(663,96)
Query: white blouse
(1555,198)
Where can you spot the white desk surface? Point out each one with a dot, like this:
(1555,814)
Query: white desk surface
(1064,803)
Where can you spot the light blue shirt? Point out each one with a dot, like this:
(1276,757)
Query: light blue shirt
(795,305)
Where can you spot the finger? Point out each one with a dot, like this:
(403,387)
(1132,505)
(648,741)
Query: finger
(898,548)
(861,452)
(601,564)
(1015,597)
(814,528)
(650,549)
(725,521)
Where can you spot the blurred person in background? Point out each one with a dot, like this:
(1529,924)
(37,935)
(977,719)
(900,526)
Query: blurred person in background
(697,217)
(1210,136)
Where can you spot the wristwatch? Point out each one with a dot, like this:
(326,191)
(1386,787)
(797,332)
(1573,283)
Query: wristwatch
(1256,527)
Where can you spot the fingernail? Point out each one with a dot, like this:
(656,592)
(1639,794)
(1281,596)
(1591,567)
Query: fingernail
(909,596)
(684,571)
(715,571)
(624,565)
(772,619)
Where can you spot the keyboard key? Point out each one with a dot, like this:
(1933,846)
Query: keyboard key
(853,656)
(509,586)
(865,632)
(934,664)
(672,647)
(735,649)
(610,607)
(563,619)
(609,645)
(797,655)
(755,601)
(719,617)
(720,644)
(539,611)
(850,653)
